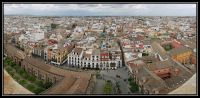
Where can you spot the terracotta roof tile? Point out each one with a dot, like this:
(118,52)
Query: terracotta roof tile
(78,50)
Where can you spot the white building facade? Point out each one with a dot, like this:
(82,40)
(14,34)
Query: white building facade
(94,59)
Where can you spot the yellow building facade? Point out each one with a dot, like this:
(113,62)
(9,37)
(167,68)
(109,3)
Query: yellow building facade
(61,55)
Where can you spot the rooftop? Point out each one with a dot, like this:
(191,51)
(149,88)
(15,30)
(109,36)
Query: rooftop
(151,80)
(149,59)
(159,65)
(96,52)
(190,43)
(78,50)
(179,50)
(70,85)
(86,55)
(159,49)
(188,87)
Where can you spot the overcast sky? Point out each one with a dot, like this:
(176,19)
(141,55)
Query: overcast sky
(101,9)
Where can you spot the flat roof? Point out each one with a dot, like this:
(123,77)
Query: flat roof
(159,65)
(159,49)
(179,50)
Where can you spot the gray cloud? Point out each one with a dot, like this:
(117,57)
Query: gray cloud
(88,5)
(102,9)
(115,5)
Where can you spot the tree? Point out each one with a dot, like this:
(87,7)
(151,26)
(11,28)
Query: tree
(145,54)
(9,70)
(98,75)
(22,82)
(31,87)
(38,90)
(134,87)
(11,73)
(16,67)
(39,83)
(8,60)
(31,78)
(168,47)
(47,84)
(16,78)
(25,75)
(21,72)
(108,87)
(53,26)
(12,64)
(74,25)
(129,79)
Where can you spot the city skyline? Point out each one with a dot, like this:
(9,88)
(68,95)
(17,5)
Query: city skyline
(101,9)
(99,49)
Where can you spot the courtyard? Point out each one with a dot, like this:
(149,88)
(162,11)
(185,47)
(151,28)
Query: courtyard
(118,78)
